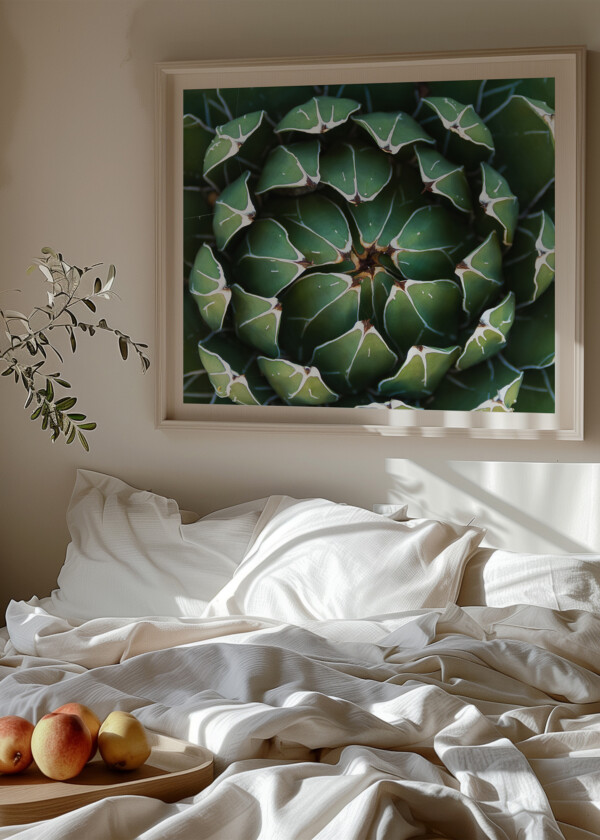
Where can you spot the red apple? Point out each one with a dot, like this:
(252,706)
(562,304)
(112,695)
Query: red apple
(61,745)
(88,717)
(15,744)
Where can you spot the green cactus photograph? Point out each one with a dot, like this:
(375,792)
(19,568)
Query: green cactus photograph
(385,245)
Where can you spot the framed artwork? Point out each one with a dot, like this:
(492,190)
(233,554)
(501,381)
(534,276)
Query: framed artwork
(384,245)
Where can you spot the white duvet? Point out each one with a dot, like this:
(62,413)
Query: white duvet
(457,723)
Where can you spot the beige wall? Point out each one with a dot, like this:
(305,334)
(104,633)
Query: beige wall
(77,172)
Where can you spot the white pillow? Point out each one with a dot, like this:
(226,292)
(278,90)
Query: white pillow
(498,578)
(315,559)
(132,555)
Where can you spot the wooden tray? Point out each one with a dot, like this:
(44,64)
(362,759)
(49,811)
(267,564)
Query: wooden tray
(174,770)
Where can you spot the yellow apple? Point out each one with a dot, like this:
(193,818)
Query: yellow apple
(15,744)
(61,745)
(88,717)
(122,741)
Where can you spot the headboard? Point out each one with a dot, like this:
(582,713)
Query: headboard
(535,507)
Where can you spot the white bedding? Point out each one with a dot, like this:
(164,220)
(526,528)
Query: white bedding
(471,722)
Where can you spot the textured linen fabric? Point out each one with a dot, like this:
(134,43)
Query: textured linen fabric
(131,554)
(499,578)
(475,723)
(315,559)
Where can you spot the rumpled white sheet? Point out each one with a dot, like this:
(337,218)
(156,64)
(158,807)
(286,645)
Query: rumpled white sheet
(463,723)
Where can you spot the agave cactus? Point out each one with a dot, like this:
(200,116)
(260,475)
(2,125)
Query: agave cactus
(374,245)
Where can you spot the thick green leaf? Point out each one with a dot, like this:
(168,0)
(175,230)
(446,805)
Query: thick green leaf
(498,202)
(462,120)
(470,389)
(422,312)
(207,274)
(318,115)
(378,221)
(358,173)
(293,166)
(537,393)
(295,384)
(523,131)
(355,359)
(234,210)
(530,264)
(316,309)
(375,288)
(267,261)
(421,373)
(531,343)
(430,244)
(393,131)
(480,274)
(209,289)
(443,178)
(244,137)
(317,227)
(256,320)
(490,334)
(230,370)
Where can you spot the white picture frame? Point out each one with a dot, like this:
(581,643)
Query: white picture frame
(565,64)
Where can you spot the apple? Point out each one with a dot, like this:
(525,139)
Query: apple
(61,745)
(15,744)
(88,717)
(122,741)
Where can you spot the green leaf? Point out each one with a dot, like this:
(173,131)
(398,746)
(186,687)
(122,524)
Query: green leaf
(244,136)
(523,130)
(230,370)
(318,115)
(208,287)
(123,347)
(393,132)
(490,334)
(498,202)
(234,210)
(356,173)
(531,343)
(76,417)
(72,435)
(422,312)
(293,166)
(430,244)
(257,320)
(83,441)
(421,372)
(316,308)
(378,221)
(88,427)
(267,261)
(443,178)
(295,384)
(317,227)
(463,121)
(530,264)
(66,403)
(354,360)
(480,274)
(537,393)
(470,389)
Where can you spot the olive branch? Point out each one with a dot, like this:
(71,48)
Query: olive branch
(28,342)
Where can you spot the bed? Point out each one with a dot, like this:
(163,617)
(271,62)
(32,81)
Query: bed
(356,673)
